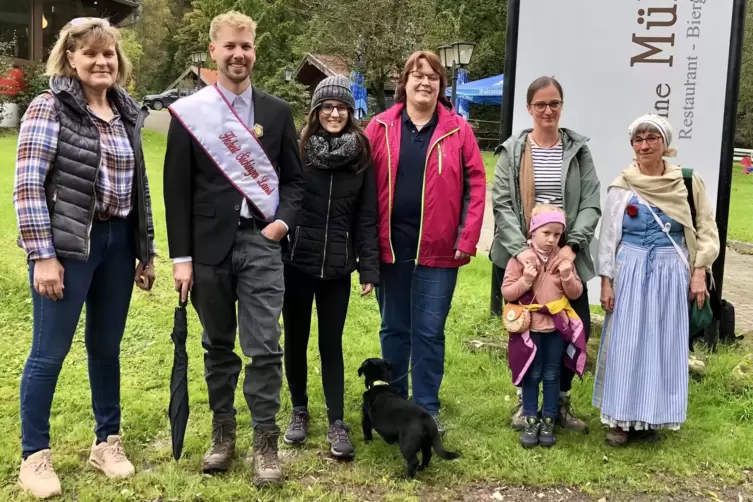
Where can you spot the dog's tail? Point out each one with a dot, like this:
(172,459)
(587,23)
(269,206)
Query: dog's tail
(436,443)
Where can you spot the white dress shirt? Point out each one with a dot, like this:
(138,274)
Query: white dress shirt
(243,105)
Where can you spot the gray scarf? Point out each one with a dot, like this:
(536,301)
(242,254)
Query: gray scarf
(330,153)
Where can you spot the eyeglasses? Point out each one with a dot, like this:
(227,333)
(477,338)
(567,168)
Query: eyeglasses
(540,106)
(651,140)
(420,76)
(328,108)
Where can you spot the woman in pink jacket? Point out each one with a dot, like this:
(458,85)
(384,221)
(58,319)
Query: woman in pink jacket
(431,189)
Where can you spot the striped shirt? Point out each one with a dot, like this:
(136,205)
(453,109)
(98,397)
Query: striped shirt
(35,156)
(547,174)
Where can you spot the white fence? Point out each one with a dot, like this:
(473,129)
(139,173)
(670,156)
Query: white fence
(742,152)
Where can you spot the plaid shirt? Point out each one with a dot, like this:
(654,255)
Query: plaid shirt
(37,148)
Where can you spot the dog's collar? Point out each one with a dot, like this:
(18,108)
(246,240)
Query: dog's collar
(380,382)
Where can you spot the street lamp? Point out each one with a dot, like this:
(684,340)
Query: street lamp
(198,58)
(453,57)
(288,74)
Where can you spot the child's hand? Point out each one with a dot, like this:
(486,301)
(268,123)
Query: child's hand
(529,272)
(565,268)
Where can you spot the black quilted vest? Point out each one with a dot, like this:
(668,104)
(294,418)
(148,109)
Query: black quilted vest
(69,186)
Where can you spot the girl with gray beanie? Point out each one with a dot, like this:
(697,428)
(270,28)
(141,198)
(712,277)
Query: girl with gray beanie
(336,234)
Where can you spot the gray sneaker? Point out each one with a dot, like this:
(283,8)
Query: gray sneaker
(340,445)
(518,421)
(530,436)
(440,427)
(298,428)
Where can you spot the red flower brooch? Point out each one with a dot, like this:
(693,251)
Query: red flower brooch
(631,210)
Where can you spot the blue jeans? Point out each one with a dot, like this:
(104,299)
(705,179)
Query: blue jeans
(414,302)
(105,283)
(550,350)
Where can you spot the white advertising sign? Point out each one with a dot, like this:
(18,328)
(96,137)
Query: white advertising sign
(619,59)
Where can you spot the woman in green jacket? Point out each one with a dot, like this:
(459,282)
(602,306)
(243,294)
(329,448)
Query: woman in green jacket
(531,169)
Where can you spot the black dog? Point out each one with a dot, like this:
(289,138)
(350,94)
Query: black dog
(398,420)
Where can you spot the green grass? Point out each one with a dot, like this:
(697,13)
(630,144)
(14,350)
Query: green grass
(490,162)
(741,206)
(712,450)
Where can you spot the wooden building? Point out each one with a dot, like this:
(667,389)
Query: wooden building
(34,24)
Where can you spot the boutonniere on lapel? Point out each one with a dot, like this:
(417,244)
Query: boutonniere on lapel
(632,210)
(258,130)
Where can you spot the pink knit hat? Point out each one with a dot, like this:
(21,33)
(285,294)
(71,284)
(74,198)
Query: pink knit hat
(545,218)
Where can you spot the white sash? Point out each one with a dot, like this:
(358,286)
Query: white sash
(232,146)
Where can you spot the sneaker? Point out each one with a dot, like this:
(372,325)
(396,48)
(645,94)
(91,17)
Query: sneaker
(110,458)
(38,477)
(220,455)
(267,468)
(567,420)
(530,436)
(547,438)
(298,428)
(337,437)
(440,427)
(518,421)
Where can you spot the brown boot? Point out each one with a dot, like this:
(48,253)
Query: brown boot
(267,468)
(567,420)
(617,437)
(518,420)
(221,453)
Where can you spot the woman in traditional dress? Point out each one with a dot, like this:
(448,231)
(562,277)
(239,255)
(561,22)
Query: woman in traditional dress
(652,257)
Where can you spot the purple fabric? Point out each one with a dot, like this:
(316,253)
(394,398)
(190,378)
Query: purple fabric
(521,351)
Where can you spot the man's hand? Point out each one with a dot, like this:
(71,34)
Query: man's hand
(275,231)
(48,278)
(698,291)
(183,277)
(566,253)
(145,275)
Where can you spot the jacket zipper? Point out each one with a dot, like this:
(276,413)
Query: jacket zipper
(389,187)
(295,243)
(326,225)
(439,158)
(423,189)
(347,239)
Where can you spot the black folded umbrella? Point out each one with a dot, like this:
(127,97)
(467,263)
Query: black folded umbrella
(178,410)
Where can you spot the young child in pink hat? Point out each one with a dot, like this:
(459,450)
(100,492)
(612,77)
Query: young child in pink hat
(555,331)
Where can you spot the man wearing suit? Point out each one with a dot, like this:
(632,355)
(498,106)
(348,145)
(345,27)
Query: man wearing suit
(233,185)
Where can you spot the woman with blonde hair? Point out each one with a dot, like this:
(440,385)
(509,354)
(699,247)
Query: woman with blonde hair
(653,255)
(84,217)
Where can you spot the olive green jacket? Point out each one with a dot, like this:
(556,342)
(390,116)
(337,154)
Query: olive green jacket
(581,193)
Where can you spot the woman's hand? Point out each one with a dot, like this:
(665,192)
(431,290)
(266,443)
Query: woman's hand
(48,278)
(460,255)
(698,291)
(529,272)
(565,269)
(607,295)
(566,253)
(145,275)
(366,289)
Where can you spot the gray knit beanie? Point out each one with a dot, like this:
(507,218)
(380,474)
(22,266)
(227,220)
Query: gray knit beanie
(334,87)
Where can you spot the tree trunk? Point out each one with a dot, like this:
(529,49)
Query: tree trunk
(379,96)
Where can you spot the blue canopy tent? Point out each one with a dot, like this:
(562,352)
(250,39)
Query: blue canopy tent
(487,91)
(462,105)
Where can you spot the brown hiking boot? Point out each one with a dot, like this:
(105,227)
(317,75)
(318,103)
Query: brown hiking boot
(518,421)
(267,468)
(38,477)
(567,420)
(221,453)
(617,437)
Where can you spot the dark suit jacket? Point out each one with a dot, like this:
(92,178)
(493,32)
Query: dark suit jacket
(202,208)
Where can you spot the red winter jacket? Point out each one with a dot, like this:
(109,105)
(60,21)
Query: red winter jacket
(454,190)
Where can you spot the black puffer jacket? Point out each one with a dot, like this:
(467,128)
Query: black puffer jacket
(337,225)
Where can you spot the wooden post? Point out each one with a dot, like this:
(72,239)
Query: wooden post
(35,13)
